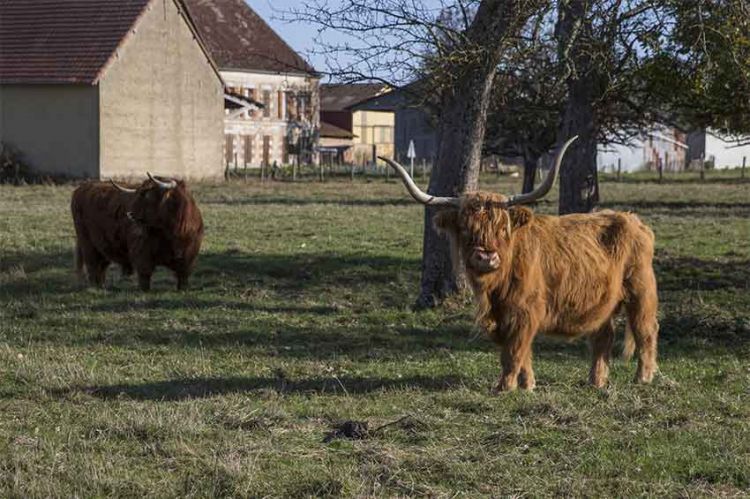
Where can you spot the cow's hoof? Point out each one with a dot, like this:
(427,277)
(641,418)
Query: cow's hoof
(502,387)
(598,382)
(525,382)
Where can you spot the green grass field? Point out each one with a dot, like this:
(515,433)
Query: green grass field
(299,317)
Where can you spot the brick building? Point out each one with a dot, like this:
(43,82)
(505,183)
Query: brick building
(281,120)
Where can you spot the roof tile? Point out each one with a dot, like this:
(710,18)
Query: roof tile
(238,38)
(61,41)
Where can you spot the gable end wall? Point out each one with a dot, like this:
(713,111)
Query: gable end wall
(162,107)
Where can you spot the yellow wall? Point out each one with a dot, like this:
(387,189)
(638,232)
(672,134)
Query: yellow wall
(373,127)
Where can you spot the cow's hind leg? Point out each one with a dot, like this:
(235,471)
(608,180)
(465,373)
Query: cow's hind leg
(641,308)
(96,265)
(601,350)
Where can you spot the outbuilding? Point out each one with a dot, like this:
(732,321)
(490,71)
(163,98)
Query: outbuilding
(109,88)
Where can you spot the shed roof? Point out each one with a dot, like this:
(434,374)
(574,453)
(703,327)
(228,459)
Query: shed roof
(62,41)
(239,39)
(329,130)
(340,97)
(65,41)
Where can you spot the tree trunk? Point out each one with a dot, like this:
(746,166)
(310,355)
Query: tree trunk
(463,118)
(530,165)
(456,171)
(579,183)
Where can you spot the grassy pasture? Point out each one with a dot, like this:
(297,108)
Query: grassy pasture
(299,318)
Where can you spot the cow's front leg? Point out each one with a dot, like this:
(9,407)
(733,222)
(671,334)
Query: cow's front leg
(515,355)
(182,280)
(601,350)
(526,378)
(144,270)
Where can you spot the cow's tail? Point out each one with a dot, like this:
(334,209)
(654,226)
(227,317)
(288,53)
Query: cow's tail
(628,348)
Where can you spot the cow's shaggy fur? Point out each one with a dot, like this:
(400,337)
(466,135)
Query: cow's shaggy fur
(566,276)
(139,231)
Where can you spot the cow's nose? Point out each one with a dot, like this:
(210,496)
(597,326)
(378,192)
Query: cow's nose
(490,258)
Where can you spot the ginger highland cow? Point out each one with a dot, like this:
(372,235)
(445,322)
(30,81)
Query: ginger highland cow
(565,276)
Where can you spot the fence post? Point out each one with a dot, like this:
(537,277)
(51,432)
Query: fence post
(661,169)
(619,168)
(744,160)
(262,171)
(703,167)
(320,171)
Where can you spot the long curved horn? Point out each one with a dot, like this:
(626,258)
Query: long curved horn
(121,188)
(545,186)
(164,185)
(416,192)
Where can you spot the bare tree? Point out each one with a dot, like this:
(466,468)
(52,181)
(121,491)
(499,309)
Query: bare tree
(397,42)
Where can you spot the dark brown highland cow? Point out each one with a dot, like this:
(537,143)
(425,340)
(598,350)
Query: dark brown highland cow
(566,276)
(156,224)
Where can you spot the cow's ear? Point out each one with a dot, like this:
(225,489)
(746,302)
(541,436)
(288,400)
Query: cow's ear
(446,221)
(520,216)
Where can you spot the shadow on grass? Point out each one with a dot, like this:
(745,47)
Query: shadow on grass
(263,200)
(52,273)
(681,273)
(698,211)
(276,320)
(191,388)
(681,179)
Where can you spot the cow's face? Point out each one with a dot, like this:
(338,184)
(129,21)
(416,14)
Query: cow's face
(480,230)
(157,206)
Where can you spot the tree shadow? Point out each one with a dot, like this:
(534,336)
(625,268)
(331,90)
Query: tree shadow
(193,388)
(680,179)
(303,271)
(264,200)
(287,318)
(679,273)
(682,209)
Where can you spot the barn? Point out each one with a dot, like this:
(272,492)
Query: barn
(109,88)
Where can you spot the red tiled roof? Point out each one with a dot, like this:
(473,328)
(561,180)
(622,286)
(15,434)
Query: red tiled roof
(340,97)
(62,41)
(238,38)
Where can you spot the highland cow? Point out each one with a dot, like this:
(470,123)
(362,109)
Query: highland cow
(565,276)
(156,224)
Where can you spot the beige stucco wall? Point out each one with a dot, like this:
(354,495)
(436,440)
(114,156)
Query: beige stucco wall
(55,127)
(162,106)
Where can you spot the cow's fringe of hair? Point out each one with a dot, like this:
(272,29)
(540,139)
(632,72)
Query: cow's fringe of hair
(184,225)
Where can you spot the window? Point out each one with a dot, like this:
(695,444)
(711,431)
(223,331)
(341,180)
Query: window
(280,104)
(266,103)
(267,150)
(248,149)
(229,149)
(291,105)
